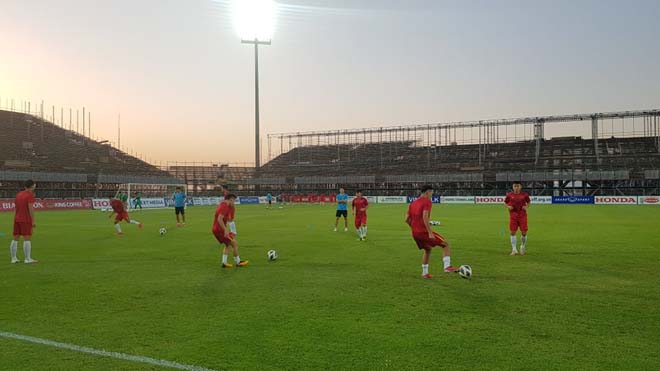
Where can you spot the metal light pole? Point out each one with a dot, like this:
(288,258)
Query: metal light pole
(257,153)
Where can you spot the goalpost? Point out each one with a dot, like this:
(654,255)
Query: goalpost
(149,195)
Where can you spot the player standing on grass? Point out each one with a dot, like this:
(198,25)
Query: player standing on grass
(418,218)
(342,209)
(517,202)
(269,198)
(179,206)
(24,222)
(137,201)
(230,217)
(119,209)
(223,234)
(359,207)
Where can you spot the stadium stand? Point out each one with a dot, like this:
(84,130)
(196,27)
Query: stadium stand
(64,163)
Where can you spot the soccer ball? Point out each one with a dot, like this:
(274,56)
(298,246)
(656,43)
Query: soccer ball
(434,222)
(465,271)
(162,231)
(272,255)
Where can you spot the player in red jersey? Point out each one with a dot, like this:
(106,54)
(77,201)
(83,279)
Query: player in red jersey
(223,234)
(232,211)
(359,207)
(118,207)
(517,202)
(419,220)
(24,222)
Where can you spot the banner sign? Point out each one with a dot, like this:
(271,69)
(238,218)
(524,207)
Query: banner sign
(616,200)
(155,203)
(489,199)
(249,200)
(371,199)
(573,200)
(147,203)
(207,201)
(49,204)
(391,200)
(541,199)
(169,202)
(459,200)
(328,198)
(649,200)
(435,199)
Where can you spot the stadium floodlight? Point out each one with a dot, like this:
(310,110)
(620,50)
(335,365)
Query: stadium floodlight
(254,21)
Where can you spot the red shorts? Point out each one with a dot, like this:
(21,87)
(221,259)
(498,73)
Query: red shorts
(123,216)
(222,239)
(360,220)
(425,243)
(518,221)
(22,229)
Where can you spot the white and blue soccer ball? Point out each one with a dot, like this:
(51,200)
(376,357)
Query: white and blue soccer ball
(162,231)
(465,271)
(272,255)
(435,222)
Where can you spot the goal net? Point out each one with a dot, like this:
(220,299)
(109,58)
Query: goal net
(148,196)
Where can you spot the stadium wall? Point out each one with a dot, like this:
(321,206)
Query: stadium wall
(7,205)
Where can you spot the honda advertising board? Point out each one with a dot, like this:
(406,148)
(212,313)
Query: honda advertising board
(616,200)
(489,199)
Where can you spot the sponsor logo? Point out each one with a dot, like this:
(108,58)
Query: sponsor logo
(392,199)
(435,199)
(616,200)
(252,200)
(489,199)
(459,200)
(573,200)
(541,199)
(649,200)
(48,204)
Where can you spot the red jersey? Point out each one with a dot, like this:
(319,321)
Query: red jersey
(225,210)
(416,214)
(359,204)
(232,209)
(117,206)
(517,201)
(23,200)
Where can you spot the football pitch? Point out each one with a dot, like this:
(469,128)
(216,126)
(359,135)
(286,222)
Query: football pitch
(586,296)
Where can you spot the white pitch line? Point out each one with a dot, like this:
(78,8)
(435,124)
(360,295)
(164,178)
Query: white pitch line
(103,353)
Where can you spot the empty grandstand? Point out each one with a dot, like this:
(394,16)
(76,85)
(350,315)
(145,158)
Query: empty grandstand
(606,154)
(63,162)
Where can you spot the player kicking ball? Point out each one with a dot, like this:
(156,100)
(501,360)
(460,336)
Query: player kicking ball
(359,207)
(223,234)
(119,209)
(418,218)
(24,223)
(517,202)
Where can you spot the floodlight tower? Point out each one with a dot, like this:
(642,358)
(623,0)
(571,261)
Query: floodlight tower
(254,21)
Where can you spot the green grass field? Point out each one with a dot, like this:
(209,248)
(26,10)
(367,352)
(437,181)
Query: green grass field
(586,297)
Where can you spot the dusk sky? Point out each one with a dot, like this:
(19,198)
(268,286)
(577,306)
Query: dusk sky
(184,84)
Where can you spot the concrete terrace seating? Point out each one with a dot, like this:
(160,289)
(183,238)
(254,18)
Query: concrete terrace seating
(31,144)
